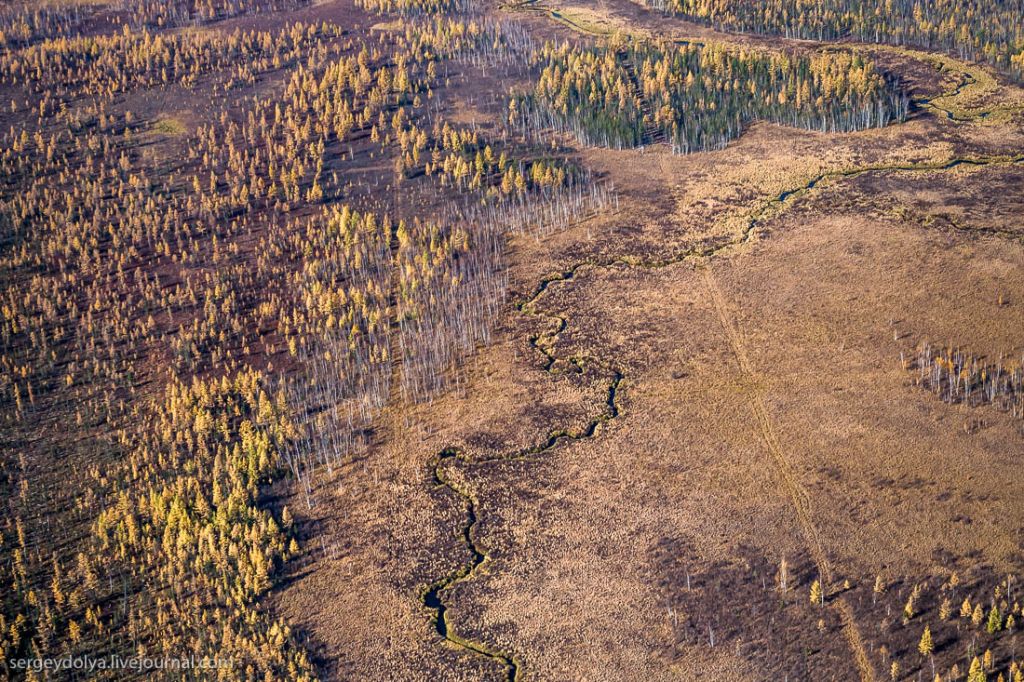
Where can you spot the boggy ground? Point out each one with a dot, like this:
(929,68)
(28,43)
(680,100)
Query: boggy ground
(755,303)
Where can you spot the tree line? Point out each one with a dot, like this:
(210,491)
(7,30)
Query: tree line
(991,31)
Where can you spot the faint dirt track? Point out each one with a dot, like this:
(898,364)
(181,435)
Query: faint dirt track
(784,468)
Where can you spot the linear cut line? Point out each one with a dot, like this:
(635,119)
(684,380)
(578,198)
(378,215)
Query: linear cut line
(797,495)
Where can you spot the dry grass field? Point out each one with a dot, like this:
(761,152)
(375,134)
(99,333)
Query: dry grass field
(686,432)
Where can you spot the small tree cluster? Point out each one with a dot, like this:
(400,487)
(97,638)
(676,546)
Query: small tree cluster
(956,376)
(624,94)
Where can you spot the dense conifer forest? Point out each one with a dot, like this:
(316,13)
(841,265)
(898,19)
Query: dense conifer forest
(700,98)
(991,31)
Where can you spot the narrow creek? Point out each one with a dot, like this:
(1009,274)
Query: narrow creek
(433,597)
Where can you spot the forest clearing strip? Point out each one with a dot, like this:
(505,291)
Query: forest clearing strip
(796,493)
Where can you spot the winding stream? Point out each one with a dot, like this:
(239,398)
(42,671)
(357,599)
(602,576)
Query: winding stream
(433,597)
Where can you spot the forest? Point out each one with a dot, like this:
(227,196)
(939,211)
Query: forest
(278,311)
(699,99)
(990,31)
